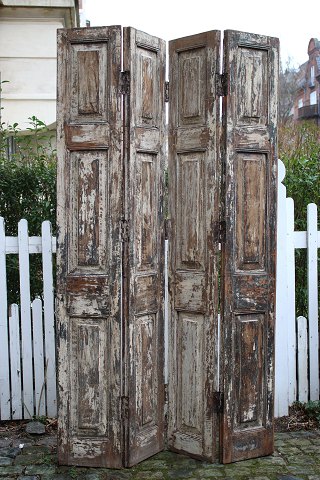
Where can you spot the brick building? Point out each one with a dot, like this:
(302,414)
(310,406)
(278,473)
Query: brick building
(307,100)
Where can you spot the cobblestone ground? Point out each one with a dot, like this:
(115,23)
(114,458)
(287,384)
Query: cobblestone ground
(297,456)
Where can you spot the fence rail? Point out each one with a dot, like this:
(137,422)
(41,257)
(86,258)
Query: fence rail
(27,338)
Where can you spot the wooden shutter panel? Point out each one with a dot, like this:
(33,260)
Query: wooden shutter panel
(89,253)
(249,250)
(144,58)
(194,213)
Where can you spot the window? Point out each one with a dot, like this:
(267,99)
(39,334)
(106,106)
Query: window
(312,75)
(300,103)
(313,98)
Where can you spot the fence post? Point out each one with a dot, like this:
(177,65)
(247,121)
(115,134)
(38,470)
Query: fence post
(49,325)
(302,359)
(312,246)
(25,315)
(15,355)
(281,331)
(291,306)
(4,354)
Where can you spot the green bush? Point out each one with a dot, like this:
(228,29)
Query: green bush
(27,190)
(299,149)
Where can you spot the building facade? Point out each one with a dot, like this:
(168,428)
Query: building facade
(307,100)
(28,57)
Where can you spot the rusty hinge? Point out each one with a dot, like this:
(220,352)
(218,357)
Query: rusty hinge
(166,393)
(124,230)
(125,408)
(166,91)
(124,84)
(166,228)
(221,84)
(219,231)
(218,402)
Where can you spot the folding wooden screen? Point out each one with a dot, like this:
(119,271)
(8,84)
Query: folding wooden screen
(110,289)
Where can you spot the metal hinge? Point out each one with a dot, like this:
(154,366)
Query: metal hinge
(166,91)
(125,408)
(124,230)
(124,84)
(219,231)
(166,393)
(166,228)
(218,402)
(221,84)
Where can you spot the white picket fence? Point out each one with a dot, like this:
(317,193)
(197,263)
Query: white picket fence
(297,339)
(27,338)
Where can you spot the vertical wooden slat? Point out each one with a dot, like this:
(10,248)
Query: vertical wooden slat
(281,331)
(291,307)
(194,218)
(4,338)
(144,58)
(89,214)
(249,152)
(38,357)
(25,314)
(15,362)
(312,255)
(49,320)
(303,389)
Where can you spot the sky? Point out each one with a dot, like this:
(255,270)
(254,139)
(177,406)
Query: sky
(293,24)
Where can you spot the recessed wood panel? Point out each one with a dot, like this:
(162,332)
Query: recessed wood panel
(252,93)
(250,355)
(89,82)
(89,174)
(190,226)
(147,210)
(88,78)
(251,206)
(88,388)
(145,355)
(147,87)
(190,366)
(192,80)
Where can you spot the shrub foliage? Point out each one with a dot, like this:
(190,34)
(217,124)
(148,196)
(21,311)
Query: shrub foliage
(27,190)
(299,149)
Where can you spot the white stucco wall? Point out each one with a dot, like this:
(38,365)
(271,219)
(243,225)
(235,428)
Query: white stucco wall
(28,54)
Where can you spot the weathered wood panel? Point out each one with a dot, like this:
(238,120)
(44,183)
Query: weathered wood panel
(89,247)
(143,260)
(194,213)
(248,254)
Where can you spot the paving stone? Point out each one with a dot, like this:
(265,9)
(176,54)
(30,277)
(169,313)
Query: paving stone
(179,474)
(298,441)
(5,442)
(32,459)
(117,475)
(28,477)
(209,474)
(288,477)
(4,461)
(11,452)
(153,465)
(10,471)
(35,428)
(40,469)
(149,475)
(36,449)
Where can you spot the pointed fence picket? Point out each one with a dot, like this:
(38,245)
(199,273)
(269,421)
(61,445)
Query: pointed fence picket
(27,333)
